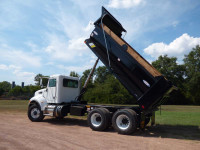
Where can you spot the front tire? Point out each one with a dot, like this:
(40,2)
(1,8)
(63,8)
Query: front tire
(35,114)
(125,121)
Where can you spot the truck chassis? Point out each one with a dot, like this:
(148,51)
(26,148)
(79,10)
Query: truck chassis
(124,119)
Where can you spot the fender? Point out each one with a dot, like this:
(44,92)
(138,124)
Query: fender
(39,99)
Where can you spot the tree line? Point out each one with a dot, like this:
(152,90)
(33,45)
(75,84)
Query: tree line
(17,92)
(105,88)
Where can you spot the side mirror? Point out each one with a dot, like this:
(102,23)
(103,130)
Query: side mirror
(41,83)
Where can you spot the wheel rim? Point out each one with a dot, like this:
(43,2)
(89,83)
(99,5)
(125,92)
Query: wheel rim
(122,122)
(96,119)
(35,113)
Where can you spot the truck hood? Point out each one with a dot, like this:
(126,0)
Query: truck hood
(40,92)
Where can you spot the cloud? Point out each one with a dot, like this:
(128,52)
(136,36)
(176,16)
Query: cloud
(89,27)
(124,3)
(57,47)
(143,22)
(178,48)
(13,68)
(33,46)
(66,50)
(13,55)
(77,44)
(67,45)
(81,67)
(18,74)
(3,67)
(65,20)
(78,69)
(175,23)
(12,18)
(27,77)
(19,57)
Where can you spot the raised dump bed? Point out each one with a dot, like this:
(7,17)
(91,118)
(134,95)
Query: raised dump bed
(137,75)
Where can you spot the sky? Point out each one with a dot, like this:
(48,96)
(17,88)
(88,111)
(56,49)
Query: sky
(48,36)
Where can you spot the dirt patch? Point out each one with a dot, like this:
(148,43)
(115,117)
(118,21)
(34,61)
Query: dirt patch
(17,132)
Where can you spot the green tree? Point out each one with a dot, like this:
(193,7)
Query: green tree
(30,90)
(170,69)
(16,91)
(73,74)
(85,76)
(101,74)
(1,91)
(33,89)
(174,72)
(6,86)
(109,92)
(37,79)
(192,64)
(107,89)
(26,91)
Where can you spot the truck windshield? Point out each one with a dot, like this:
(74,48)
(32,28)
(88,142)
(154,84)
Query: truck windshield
(52,82)
(70,83)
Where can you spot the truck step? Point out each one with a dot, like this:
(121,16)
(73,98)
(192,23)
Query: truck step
(48,115)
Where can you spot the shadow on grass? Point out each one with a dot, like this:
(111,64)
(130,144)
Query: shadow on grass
(163,131)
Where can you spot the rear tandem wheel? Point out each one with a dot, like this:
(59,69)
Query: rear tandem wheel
(99,119)
(125,121)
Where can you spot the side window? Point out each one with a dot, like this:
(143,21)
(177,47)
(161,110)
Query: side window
(52,82)
(70,83)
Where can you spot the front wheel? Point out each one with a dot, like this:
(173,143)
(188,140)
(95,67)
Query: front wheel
(35,114)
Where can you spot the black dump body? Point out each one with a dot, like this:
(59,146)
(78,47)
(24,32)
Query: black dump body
(139,77)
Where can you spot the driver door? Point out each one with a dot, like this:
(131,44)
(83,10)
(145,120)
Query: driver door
(51,91)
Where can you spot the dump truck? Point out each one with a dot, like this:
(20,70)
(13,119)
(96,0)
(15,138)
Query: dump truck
(63,94)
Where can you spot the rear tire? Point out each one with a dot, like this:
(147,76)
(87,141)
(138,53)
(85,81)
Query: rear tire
(99,119)
(35,114)
(125,121)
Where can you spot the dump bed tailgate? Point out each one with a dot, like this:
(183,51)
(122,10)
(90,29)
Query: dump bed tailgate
(139,77)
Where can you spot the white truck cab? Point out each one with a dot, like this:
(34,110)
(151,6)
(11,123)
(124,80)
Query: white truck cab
(60,90)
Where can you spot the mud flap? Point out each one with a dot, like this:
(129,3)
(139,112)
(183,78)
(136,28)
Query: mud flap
(142,122)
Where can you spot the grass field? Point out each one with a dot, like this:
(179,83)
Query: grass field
(170,114)
(10,106)
(178,115)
